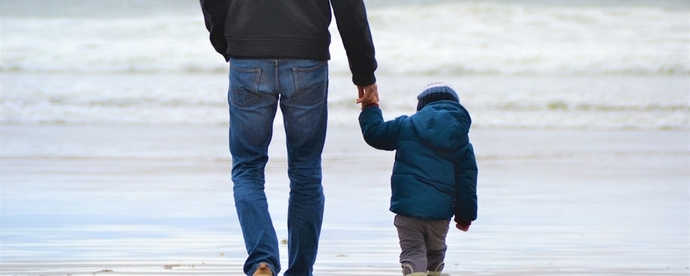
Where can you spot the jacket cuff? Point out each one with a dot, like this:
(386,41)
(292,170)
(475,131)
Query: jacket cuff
(370,105)
(363,79)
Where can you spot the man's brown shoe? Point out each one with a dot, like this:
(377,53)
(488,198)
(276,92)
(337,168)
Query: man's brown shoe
(263,270)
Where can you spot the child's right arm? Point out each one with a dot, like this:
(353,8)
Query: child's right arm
(466,188)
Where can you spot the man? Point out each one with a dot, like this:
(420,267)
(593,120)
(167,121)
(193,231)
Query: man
(278,53)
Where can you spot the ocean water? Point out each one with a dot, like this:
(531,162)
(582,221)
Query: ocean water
(525,64)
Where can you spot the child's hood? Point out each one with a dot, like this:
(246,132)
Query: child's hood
(443,124)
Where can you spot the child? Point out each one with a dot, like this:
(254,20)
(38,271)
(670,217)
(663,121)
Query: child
(434,175)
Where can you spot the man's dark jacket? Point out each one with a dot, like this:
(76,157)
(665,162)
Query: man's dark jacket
(291,29)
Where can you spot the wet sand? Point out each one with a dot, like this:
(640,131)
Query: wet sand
(157,200)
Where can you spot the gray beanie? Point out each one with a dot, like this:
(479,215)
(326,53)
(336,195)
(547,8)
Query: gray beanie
(436,92)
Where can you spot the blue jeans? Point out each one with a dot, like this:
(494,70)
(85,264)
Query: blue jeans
(257,87)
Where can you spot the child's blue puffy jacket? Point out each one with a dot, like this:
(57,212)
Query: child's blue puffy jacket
(435,171)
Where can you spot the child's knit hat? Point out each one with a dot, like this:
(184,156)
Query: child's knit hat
(436,92)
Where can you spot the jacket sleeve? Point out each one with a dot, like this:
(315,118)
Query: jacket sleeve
(377,133)
(466,185)
(353,26)
(215,15)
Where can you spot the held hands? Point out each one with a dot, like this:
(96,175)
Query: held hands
(367,95)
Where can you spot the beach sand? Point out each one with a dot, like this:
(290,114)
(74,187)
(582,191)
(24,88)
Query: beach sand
(157,200)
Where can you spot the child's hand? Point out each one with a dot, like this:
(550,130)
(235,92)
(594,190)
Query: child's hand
(463,225)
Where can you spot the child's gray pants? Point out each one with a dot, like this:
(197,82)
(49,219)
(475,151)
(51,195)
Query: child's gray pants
(423,242)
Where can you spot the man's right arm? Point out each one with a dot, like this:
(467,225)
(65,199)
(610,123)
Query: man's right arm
(353,26)
(215,15)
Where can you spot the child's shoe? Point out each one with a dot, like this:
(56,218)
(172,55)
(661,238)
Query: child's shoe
(437,271)
(408,271)
(263,270)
